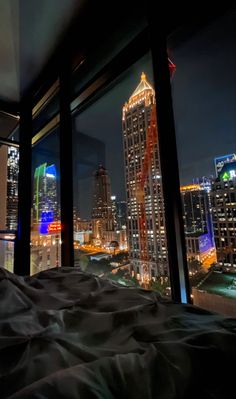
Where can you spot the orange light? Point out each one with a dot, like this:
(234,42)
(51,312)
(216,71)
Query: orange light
(54,227)
(190,187)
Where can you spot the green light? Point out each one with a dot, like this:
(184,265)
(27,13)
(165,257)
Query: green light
(226,176)
(39,171)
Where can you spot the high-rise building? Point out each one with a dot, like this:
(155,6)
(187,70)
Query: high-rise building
(12,187)
(102,216)
(223,199)
(114,211)
(121,214)
(197,220)
(45,192)
(196,209)
(9,159)
(145,204)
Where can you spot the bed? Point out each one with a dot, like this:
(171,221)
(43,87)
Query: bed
(69,334)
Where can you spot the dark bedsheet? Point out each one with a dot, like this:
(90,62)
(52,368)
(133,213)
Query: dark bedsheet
(68,334)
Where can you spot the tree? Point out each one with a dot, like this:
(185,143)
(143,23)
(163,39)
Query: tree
(160,284)
(194,266)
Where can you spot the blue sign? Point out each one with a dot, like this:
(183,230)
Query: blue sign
(46,219)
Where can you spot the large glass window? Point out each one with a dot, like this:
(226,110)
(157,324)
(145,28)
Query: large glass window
(45,211)
(119,221)
(204,87)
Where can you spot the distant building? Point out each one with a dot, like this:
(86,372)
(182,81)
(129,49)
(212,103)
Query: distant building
(83,236)
(121,214)
(9,160)
(223,198)
(197,220)
(114,209)
(45,251)
(102,216)
(45,192)
(12,187)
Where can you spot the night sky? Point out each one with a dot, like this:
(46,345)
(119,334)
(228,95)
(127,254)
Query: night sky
(204,97)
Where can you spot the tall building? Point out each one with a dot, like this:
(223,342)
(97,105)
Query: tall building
(102,216)
(145,204)
(223,198)
(45,192)
(121,214)
(12,187)
(196,209)
(114,210)
(197,220)
(9,159)
(46,229)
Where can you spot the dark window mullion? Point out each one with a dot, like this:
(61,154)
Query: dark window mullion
(22,240)
(66,169)
(169,164)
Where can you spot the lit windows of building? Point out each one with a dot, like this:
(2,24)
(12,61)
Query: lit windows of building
(142,212)
(223,196)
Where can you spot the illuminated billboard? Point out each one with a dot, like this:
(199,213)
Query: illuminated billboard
(228,172)
(46,219)
(221,161)
(54,227)
(205,243)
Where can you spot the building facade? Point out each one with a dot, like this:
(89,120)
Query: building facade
(45,192)
(9,159)
(197,220)
(102,215)
(145,204)
(223,198)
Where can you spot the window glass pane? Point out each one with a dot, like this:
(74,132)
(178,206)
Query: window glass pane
(106,48)
(119,222)
(49,109)
(9,125)
(203,88)
(9,170)
(45,211)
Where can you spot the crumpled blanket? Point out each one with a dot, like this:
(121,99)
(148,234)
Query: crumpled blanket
(69,334)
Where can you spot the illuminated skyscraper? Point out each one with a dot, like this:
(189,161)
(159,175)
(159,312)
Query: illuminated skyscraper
(196,209)
(197,220)
(45,192)
(223,199)
(102,216)
(12,187)
(9,158)
(145,204)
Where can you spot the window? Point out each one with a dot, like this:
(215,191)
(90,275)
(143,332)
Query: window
(119,230)
(203,90)
(45,211)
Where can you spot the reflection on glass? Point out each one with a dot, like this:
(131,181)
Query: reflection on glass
(45,215)
(205,127)
(119,222)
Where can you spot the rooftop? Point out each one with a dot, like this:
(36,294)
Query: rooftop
(219,284)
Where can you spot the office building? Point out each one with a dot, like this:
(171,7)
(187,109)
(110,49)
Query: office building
(145,204)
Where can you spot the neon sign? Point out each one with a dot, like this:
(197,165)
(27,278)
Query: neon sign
(46,218)
(228,171)
(54,227)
